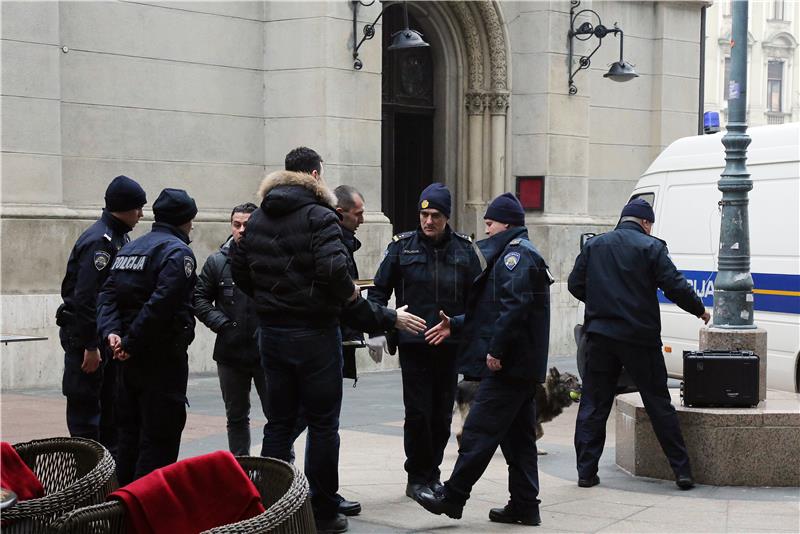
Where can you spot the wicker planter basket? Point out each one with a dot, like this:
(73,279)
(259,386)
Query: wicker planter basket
(284,492)
(75,472)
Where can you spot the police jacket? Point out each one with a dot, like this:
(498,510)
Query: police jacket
(508,312)
(227,311)
(291,260)
(617,275)
(426,276)
(87,269)
(147,299)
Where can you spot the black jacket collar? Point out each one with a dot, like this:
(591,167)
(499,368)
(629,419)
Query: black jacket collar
(631,225)
(114,224)
(170,229)
(493,246)
(349,238)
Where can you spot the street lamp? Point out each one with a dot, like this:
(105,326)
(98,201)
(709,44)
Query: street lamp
(620,71)
(401,40)
(733,288)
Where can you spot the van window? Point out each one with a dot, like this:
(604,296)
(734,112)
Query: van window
(649,197)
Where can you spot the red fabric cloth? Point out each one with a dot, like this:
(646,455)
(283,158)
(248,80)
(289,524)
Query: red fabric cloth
(17,476)
(190,496)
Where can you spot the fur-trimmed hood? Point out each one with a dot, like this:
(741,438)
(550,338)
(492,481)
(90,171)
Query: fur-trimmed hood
(316,187)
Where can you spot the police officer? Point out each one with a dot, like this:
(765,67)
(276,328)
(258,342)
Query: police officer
(506,332)
(89,374)
(144,311)
(617,275)
(227,311)
(429,269)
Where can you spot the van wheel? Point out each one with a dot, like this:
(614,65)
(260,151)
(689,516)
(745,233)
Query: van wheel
(797,373)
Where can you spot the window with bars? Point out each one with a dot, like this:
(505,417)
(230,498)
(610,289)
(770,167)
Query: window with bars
(774,86)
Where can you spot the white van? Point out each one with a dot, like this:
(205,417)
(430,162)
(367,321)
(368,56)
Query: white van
(682,186)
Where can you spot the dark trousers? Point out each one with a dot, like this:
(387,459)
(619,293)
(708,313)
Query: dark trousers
(90,396)
(304,371)
(234,381)
(503,413)
(429,376)
(348,354)
(645,365)
(151,413)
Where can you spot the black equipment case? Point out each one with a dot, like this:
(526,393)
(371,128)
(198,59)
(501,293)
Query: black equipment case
(720,378)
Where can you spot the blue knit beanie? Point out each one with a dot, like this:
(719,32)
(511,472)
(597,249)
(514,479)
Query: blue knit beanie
(435,196)
(174,206)
(639,208)
(124,194)
(506,209)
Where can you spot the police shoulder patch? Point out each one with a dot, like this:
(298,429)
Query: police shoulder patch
(511,260)
(101,259)
(188,265)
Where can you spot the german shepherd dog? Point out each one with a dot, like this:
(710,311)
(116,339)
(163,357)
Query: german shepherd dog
(559,391)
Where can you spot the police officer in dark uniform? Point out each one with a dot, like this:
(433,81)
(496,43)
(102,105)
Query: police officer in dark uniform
(506,332)
(429,269)
(89,372)
(144,311)
(617,275)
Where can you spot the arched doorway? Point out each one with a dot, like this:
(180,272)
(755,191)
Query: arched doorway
(444,113)
(407,111)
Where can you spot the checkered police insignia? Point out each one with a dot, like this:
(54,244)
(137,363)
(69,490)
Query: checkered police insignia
(101,259)
(188,266)
(511,260)
(424,204)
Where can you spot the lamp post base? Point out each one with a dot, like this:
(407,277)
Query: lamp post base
(754,339)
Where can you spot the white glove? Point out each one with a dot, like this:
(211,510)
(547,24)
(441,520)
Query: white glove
(375,347)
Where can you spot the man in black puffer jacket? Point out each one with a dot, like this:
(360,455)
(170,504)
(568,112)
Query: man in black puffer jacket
(229,313)
(293,263)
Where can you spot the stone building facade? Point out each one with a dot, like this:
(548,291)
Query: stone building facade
(209,96)
(773,76)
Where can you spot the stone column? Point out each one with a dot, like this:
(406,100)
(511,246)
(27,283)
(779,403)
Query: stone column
(498,105)
(475,103)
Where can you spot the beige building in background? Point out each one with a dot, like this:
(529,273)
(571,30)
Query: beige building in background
(773,65)
(208,96)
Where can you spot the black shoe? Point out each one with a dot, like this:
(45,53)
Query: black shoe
(589,482)
(438,503)
(348,507)
(684,482)
(334,525)
(508,514)
(413,488)
(436,486)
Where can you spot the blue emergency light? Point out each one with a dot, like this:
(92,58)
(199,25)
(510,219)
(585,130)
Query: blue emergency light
(710,122)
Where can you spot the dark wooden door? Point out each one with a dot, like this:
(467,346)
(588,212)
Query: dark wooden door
(407,130)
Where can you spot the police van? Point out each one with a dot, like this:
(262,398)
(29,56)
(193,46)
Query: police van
(681,184)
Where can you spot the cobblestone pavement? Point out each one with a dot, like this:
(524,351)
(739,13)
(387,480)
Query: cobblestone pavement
(371,470)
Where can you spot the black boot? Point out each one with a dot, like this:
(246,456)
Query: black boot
(334,525)
(412,489)
(438,503)
(510,514)
(348,507)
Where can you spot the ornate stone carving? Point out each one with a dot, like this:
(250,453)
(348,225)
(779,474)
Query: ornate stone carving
(476,102)
(473,42)
(498,103)
(497,44)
